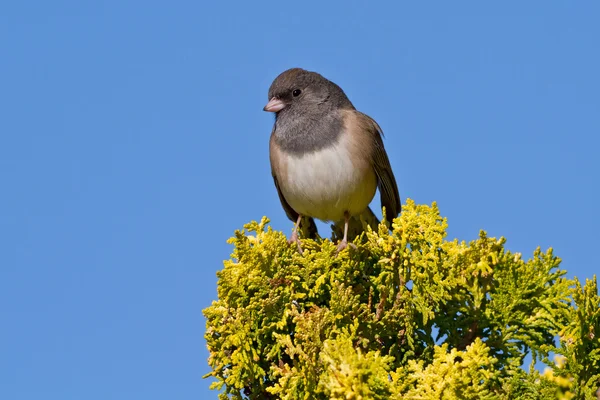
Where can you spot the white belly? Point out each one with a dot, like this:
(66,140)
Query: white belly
(325,184)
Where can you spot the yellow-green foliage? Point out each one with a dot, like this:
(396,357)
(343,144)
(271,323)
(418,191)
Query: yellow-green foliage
(406,315)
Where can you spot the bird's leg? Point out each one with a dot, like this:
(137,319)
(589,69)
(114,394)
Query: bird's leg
(294,238)
(344,243)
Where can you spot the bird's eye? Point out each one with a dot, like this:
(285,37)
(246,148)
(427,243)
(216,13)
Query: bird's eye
(296,92)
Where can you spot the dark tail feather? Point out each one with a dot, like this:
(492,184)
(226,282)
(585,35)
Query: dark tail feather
(355,226)
(309,228)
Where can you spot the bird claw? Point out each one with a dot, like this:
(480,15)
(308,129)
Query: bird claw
(343,244)
(295,239)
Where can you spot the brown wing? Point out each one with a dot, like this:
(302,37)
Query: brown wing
(386,182)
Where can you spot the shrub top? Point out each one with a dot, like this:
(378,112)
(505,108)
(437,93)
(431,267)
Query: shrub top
(407,314)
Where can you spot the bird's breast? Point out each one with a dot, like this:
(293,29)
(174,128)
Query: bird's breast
(327,182)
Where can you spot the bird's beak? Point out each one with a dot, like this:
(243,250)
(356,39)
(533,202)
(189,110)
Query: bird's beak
(274,105)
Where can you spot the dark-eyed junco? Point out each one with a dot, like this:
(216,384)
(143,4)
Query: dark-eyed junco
(327,158)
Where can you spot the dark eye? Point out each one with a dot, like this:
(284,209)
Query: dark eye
(296,92)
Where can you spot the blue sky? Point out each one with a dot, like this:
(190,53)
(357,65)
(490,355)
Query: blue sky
(133,143)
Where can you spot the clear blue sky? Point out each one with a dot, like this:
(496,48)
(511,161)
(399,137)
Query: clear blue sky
(133,143)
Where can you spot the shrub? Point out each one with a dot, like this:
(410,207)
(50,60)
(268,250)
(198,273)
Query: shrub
(405,315)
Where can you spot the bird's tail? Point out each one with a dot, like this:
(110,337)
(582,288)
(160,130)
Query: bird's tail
(355,225)
(308,227)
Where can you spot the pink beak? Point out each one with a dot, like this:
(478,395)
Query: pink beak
(274,105)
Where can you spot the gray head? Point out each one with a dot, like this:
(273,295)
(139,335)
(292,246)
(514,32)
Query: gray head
(306,109)
(297,91)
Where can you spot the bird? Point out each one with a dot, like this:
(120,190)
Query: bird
(327,158)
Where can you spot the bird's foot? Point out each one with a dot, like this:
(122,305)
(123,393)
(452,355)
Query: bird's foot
(295,239)
(343,244)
